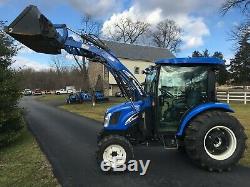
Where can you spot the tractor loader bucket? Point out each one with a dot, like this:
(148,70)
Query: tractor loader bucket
(35,31)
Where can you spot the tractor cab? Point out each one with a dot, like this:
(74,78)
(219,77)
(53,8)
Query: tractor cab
(178,85)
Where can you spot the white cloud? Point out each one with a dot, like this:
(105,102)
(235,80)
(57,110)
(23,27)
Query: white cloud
(96,7)
(195,29)
(107,25)
(179,6)
(25,63)
(228,58)
(25,50)
(235,24)
(76,37)
(220,24)
(70,57)
(3,1)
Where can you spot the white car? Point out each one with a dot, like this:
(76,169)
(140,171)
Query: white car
(71,91)
(27,92)
(61,91)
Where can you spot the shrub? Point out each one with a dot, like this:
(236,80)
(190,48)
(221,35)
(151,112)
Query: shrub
(10,116)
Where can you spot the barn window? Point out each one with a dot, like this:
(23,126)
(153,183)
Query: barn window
(137,70)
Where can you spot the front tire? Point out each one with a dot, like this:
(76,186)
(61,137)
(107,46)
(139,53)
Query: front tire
(114,149)
(215,140)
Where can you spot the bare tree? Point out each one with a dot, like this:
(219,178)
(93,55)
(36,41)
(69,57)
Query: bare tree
(128,31)
(244,5)
(90,25)
(167,34)
(239,32)
(58,63)
(82,66)
(244,28)
(48,79)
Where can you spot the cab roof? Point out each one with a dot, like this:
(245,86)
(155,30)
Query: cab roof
(191,61)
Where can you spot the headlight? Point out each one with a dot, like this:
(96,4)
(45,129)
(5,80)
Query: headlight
(106,119)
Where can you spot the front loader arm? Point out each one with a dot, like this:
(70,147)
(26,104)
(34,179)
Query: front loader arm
(124,78)
(35,31)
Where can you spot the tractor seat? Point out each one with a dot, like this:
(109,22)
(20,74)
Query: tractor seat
(193,98)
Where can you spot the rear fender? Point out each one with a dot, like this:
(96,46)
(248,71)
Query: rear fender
(198,110)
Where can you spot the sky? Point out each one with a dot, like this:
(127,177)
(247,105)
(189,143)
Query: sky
(203,25)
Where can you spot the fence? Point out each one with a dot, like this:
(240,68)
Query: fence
(233,87)
(234,96)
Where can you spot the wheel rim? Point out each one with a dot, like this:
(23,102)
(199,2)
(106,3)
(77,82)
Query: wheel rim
(220,143)
(115,155)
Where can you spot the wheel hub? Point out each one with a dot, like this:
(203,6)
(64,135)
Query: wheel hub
(115,155)
(220,142)
(217,142)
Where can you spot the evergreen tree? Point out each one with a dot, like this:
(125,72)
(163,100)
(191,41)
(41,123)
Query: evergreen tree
(240,65)
(223,74)
(196,54)
(10,117)
(206,53)
(99,84)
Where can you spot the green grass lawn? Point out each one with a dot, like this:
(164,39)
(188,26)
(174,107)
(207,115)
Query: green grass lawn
(242,112)
(23,164)
(52,97)
(87,110)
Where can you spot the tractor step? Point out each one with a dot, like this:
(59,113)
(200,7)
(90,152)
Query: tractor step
(169,142)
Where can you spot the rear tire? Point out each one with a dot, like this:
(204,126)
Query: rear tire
(114,146)
(215,140)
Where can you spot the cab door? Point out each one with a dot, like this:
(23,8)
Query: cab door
(150,88)
(179,89)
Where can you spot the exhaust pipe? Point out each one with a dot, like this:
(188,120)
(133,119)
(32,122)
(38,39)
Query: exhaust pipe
(35,31)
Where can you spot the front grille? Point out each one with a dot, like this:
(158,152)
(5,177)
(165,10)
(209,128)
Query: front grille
(115,118)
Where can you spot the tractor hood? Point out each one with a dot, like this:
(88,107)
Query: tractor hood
(122,116)
(119,117)
(125,106)
(34,30)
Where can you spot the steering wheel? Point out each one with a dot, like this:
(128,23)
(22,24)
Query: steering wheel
(166,93)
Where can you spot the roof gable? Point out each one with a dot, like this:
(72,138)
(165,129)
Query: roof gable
(138,52)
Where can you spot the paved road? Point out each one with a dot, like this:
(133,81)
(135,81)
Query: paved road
(69,141)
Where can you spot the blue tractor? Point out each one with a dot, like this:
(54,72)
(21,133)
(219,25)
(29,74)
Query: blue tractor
(99,95)
(85,96)
(177,108)
(73,98)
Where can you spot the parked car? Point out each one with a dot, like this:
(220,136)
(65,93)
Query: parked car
(71,91)
(85,96)
(99,96)
(118,94)
(61,91)
(73,98)
(47,92)
(27,92)
(69,88)
(37,92)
